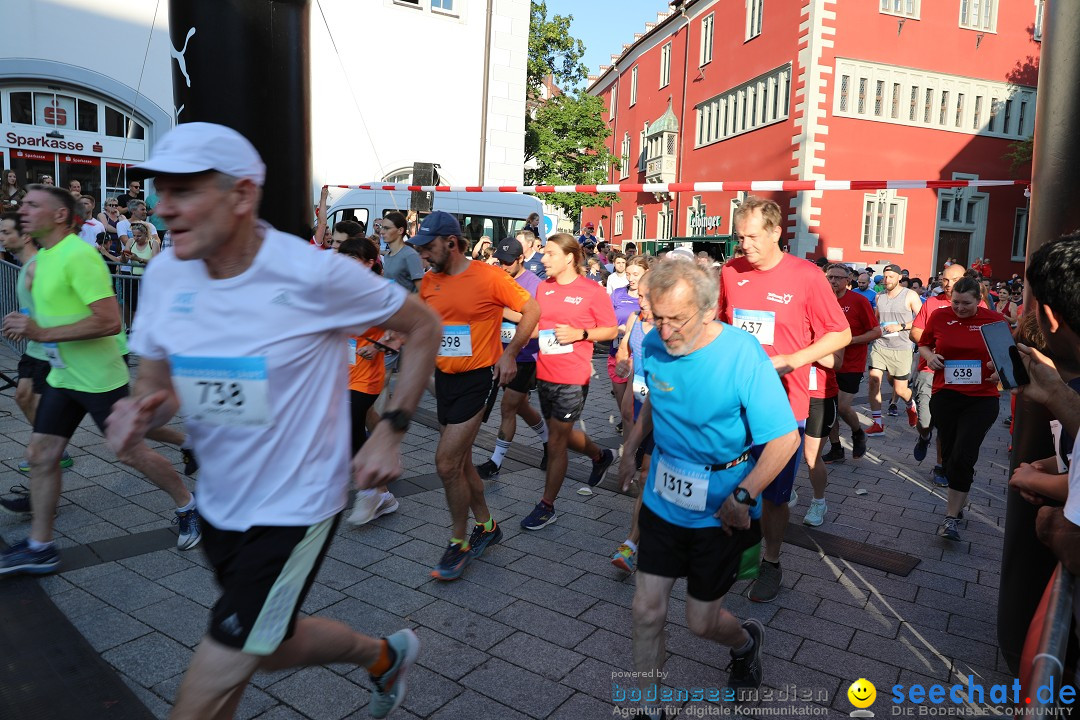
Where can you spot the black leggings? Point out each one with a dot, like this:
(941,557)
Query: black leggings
(359,404)
(962,422)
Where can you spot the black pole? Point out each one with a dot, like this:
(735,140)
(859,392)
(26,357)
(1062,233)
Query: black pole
(1026,563)
(244,63)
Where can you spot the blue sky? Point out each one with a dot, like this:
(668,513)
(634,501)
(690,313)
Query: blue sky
(604,25)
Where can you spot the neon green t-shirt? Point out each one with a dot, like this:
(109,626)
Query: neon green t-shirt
(70,276)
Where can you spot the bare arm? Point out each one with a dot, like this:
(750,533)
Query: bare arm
(873,334)
(103,321)
(774,457)
(827,344)
(153,403)
(320,222)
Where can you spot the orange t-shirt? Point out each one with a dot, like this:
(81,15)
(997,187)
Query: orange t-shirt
(365,375)
(471,307)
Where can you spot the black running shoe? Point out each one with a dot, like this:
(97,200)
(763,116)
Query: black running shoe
(600,467)
(835,455)
(744,672)
(488,470)
(191,463)
(481,539)
(858,444)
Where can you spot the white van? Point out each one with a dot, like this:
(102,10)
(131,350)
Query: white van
(493,215)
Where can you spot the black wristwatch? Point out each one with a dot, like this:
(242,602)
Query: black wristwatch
(584,334)
(399,419)
(742,496)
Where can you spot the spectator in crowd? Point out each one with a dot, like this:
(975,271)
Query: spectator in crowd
(136,213)
(595,271)
(1008,304)
(987,269)
(1052,275)
(588,235)
(157,222)
(110,217)
(75,188)
(141,250)
(134,192)
(343,231)
(617,278)
(401,263)
(530,245)
(46,180)
(532,224)
(703,259)
(11,194)
(482,248)
(92,228)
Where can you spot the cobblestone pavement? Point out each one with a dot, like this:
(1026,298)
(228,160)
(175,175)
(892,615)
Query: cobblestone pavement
(538,627)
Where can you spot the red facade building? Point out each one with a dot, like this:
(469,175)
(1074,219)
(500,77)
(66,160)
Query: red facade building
(819,89)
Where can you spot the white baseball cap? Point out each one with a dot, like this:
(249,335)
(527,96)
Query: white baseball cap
(198,147)
(681,253)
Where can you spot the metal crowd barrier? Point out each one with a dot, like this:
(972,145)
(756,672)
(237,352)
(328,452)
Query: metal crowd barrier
(125,284)
(1048,665)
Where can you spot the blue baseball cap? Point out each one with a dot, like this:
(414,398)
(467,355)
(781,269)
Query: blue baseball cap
(437,224)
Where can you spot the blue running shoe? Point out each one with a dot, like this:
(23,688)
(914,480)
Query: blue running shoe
(939,478)
(190,534)
(19,558)
(480,539)
(390,687)
(453,563)
(541,516)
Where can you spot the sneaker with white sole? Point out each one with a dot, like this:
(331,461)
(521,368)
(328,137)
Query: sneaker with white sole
(391,686)
(949,529)
(367,503)
(388,504)
(816,514)
(188,523)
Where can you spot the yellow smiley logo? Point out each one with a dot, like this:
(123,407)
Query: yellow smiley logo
(862,693)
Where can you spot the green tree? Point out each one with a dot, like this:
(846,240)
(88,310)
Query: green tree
(553,51)
(564,135)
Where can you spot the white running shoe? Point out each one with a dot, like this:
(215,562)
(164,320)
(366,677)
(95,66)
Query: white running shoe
(387,504)
(816,514)
(366,505)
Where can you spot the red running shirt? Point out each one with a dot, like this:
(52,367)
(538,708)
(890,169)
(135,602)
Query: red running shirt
(860,316)
(580,304)
(965,353)
(785,308)
(931,305)
(823,381)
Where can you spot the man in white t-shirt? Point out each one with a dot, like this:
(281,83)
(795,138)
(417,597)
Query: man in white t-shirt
(91,226)
(245,328)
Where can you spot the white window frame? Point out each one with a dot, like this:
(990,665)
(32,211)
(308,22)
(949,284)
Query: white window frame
(643,155)
(755,10)
(665,65)
(624,157)
(640,223)
(614,99)
(664,220)
(964,95)
(1040,7)
(618,227)
(441,10)
(696,209)
(1019,240)
(745,107)
(886,207)
(901,8)
(979,15)
(633,86)
(707,36)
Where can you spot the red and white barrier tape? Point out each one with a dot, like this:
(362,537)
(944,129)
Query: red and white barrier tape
(748,186)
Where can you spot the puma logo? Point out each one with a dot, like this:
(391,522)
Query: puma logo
(178,55)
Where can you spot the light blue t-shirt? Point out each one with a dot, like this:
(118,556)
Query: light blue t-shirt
(708,408)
